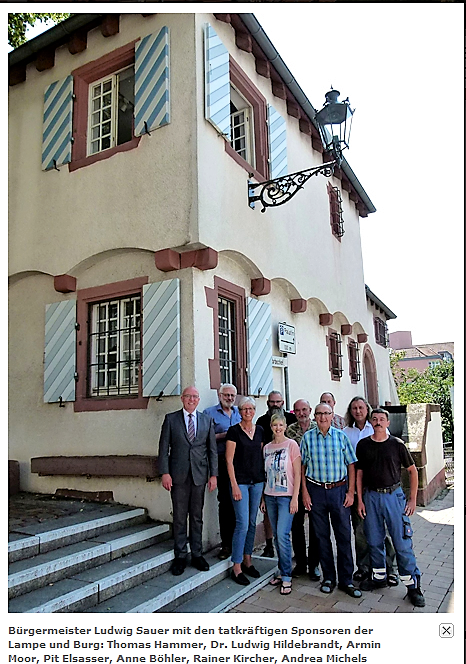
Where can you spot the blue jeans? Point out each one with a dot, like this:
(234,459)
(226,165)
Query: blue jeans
(388,508)
(278,509)
(246,515)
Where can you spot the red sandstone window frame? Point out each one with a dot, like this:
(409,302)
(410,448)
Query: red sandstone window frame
(85,298)
(83,77)
(258,105)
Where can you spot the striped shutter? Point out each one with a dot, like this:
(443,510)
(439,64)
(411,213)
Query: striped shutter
(217,82)
(259,331)
(152,82)
(277,143)
(60,351)
(161,338)
(57,128)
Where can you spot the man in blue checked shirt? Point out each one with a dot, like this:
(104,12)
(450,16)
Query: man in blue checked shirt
(328,483)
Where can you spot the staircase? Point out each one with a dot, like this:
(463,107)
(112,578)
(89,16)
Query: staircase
(114,559)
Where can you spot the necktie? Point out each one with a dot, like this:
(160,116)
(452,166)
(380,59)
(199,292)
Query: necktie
(191,434)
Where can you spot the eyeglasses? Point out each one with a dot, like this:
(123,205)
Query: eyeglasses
(190,396)
(324,414)
(227,394)
(245,410)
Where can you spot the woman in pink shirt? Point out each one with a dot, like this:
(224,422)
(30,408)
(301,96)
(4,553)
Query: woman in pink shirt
(282,462)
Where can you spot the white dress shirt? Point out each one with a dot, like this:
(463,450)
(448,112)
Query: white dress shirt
(355,434)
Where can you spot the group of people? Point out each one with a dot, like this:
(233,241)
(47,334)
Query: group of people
(345,472)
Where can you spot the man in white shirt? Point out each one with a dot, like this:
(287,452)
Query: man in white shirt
(358,427)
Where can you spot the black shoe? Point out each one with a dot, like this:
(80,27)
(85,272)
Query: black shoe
(392,580)
(415,595)
(299,570)
(360,575)
(250,571)
(200,563)
(351,590)
(178,566)
(372,584)
(241,579)
(327,587)
(268,552)
(314,574)
(224,553)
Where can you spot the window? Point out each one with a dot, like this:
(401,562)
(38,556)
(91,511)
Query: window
(336,211)
(434,363)
(354,361)
(227,340)
(115,347)
(241,121)
(381,332)
(335,356)
(111,105)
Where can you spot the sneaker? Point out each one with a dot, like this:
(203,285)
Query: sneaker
(415,595)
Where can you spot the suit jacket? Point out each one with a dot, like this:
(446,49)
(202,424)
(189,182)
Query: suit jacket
(178,456)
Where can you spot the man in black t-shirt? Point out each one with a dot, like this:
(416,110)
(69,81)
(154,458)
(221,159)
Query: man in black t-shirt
(381,501)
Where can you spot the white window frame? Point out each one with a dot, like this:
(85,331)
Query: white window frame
(113,79)
(245,113)
(227,332)
(106,330)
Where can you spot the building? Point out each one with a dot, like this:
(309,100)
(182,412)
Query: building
(420,356)
(138,267)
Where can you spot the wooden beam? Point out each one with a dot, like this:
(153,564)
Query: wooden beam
(279,89)
(243,41)
(263,68)
(77,42)
(45,59)
(110,25)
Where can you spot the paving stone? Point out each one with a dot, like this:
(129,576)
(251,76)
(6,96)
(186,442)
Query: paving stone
(351,608)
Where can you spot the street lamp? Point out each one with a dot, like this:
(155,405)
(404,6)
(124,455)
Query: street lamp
(334,124)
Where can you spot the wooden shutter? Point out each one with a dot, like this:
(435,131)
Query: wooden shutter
(57,125)
(60,351)
(152,82)
(259,340)
(217,82)
(161,338)
(277,143)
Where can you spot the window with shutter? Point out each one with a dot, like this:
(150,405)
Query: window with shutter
(335,355)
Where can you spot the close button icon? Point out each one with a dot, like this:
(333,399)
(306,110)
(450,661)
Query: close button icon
(446,630)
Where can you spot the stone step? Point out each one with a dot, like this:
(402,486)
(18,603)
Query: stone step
(40,538)
(97,584)
(46,568)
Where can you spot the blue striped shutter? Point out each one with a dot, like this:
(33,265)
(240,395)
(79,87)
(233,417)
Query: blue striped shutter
(277,143)
(161,338)
(57,128)
(60,351)
(259,333)
(217,82)
(152,82)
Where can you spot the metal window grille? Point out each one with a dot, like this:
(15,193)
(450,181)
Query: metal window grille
(381,332)
(111,105)
(336,211)
(115,347)
(354,362)
(241,140)
(227,340)
(336,368)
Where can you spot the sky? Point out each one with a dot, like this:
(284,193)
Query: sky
(401,65)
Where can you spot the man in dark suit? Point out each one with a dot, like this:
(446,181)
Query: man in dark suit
(187,462)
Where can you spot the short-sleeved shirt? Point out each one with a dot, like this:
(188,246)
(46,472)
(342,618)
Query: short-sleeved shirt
(326,458)
(381,462)
(247,461)
(279,472)
(222,422)
(295,432)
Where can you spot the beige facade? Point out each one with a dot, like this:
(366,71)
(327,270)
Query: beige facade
(179,189)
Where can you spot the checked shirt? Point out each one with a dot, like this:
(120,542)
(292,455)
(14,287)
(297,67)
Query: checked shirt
(326,458)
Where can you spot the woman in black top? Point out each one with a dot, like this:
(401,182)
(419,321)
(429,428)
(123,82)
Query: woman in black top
(246,472)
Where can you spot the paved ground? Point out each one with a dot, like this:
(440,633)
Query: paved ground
(433,546)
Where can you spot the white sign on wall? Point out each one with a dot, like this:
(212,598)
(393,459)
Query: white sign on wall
(286,338)
(279,361)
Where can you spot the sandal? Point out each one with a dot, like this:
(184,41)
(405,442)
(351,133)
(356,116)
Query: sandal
(276,581)
(286,588)
(392,580)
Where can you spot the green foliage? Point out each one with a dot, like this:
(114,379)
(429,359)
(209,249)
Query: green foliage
(431,386)
(18,24)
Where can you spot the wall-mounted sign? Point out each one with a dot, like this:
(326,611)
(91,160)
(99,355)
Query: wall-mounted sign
(279,361)
(286,338)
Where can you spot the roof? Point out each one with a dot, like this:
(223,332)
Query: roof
(428,350)
(41,50)
(379,304)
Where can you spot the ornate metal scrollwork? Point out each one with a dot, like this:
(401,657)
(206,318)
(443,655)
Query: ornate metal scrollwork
(280,190)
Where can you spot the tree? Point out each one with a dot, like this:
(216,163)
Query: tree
(431,386)
(18,24)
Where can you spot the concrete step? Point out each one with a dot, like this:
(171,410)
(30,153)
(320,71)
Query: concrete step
(46,568)
(40,538)
(97,584)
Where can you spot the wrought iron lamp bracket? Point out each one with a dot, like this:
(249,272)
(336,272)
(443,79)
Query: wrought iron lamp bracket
(280,190)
